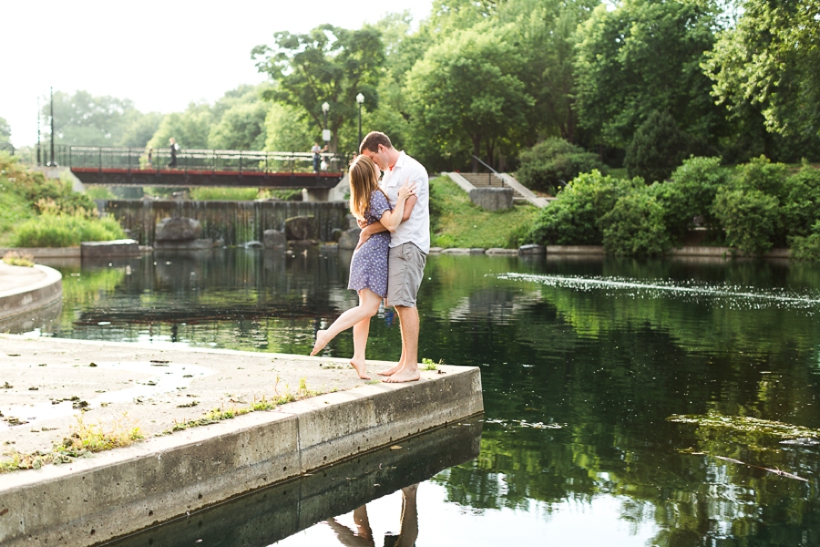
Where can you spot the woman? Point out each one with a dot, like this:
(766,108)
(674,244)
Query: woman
(368,269)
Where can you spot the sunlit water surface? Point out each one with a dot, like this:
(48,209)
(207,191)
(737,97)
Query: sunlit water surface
(582,363)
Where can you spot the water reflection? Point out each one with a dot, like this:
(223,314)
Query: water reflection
(271,514)
(579,379)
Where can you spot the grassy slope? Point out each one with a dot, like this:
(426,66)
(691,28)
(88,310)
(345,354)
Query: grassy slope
(456,222)
(14,209)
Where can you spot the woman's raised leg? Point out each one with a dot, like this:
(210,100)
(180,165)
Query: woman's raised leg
(367,308)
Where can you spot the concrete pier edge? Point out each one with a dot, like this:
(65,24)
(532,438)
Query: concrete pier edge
(115,493)
(30,297)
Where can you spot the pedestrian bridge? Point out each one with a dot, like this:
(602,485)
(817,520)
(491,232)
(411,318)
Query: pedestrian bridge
(116,166)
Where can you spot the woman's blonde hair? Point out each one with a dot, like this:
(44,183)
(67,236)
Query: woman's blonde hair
(364,180)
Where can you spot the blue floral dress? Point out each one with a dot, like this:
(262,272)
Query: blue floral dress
(368,269)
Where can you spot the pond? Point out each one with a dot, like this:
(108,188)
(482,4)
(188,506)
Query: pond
(583,362)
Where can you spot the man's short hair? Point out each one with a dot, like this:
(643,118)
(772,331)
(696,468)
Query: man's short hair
(372,141)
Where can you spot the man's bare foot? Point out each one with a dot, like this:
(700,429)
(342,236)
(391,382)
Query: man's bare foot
(391,371)
(360,369)
(404,375)
(321,341)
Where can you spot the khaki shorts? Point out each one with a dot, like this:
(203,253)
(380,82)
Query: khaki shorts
(405,270)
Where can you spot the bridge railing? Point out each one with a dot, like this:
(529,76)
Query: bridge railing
(107,157)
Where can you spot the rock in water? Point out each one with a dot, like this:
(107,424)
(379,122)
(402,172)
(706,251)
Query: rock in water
(300,228)
(177,229)
(274,239)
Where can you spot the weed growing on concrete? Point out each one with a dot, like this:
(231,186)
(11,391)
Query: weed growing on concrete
(84,439)
(264,404)
(428,364)
(94,438)
(14,258)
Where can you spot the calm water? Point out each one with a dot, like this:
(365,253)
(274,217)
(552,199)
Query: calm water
(582,363)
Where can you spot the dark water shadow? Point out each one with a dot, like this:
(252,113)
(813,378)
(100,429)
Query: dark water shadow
(271,514)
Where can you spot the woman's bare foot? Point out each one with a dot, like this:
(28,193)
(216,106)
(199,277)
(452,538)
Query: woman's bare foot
(404,375)
(321,341)
(391,371)
(360,368)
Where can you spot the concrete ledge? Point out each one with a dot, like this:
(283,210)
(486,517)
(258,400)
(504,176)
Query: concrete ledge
(575,249)
(271,514)
(114,493)
(725,252)
(492,199)
(110,249)
(46,252)
(43,292)
(496,251)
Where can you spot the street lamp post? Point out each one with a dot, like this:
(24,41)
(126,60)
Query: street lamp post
(325,131)
(53,162)
(360,100)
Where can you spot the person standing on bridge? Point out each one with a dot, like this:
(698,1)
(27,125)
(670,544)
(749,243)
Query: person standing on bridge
(317,155)
(368,269)
(409,246)
(174,147)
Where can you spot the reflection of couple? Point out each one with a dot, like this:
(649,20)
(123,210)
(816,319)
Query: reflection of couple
(363,536)
(393,245)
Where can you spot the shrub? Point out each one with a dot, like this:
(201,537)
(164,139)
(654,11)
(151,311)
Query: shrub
(635,225)
(572,219)
(807,247)
(762,175)
(698,180)
(546,164)
(802,203)
(64,230)
(750,218)
(657,147)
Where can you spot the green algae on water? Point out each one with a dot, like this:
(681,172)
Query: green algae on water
(746,424)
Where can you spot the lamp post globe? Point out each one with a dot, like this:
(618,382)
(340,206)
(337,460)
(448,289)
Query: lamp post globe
(360,100)
(325,131)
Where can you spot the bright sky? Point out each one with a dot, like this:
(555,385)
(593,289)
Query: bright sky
(160,54)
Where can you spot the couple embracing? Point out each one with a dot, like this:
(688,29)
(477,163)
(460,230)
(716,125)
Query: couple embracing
(392,251)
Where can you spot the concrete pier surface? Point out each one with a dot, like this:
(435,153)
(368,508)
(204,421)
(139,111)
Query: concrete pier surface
(47,385)
(23,289)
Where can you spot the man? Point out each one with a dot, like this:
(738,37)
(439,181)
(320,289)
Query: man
(409,245)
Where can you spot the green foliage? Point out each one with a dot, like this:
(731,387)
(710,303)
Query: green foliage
(456,222)
(750,218)
(807,247)
(286,131)
(656,149)
(85,119)
(802,208)
(223,194)
(763,175)
(190,128)
(572,219)
(65,230)
(5,130)
(465,94)
(328,64)
(549,163)
(642,57)
(771,59)
(635,226)
(698,180)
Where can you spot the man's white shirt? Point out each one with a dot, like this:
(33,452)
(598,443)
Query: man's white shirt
(415,229)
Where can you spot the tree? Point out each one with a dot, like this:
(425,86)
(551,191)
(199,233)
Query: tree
(85,119)
(5,130)
(328,64)
(642,57)
(465,93)
(190,128)
(772,59)
(657,148)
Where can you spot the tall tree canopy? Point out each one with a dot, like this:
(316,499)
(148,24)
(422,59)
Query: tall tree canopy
(642,57)
(465,93)
(5,130)
(771,59)
(328,64)
(85,119)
